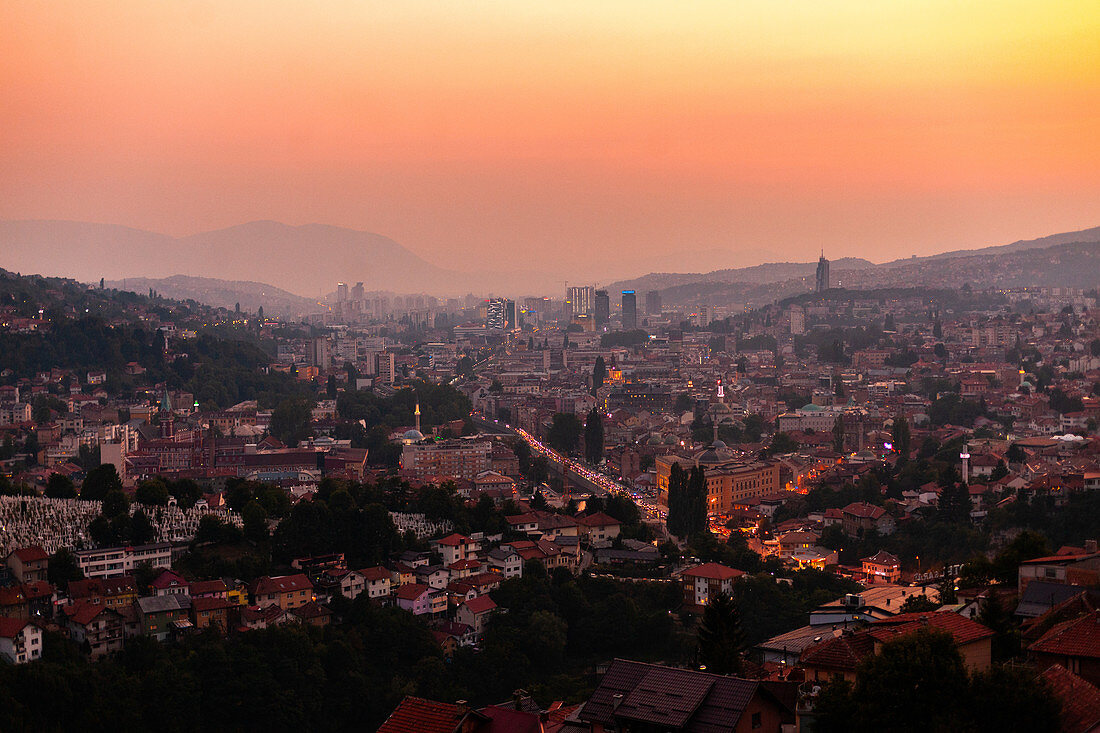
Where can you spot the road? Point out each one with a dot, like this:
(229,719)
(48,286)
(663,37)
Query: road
(600,483)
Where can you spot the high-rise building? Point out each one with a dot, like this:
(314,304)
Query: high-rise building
(511,321)
(602,308)
(341,292)
(583,299)
(822,283)
(494,314)
(798,321)
(630,310)
(357,292)
(653,303)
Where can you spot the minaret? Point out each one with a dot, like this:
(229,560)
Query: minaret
(721,401)
(417,413)
(965,456)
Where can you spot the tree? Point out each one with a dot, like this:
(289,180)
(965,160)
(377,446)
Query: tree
(565,432)
(954,503)
(330,387)
(593,437)
(115,504)
(290,421)
(918,604)
(142,530)
(599,374)
(838,434)
(687,501)
(927,666)
(782,443)
(152,492)
(902,439)
(209,529)
(99,482)
(1006,637)
(254,517)
(62,567)
(720,636)
(60,486)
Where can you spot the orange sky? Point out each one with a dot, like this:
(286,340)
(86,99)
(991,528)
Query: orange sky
(522,133)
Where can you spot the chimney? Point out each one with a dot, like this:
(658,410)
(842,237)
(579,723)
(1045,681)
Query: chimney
(1090,545)
(463,708)
(923,620)
(517,699)
(616,701)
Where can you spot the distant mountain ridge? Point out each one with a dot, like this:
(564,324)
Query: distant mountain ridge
(223,294)
(307,259)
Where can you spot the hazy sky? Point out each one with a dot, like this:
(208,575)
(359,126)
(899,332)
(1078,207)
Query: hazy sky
(519,133)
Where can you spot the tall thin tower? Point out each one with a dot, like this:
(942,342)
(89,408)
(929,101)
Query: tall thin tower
(822,281)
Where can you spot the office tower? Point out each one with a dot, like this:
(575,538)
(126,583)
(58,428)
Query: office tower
(341,292)
(357,292)
(320,354)
(583,299)
(567,311)
(630,310)
(602,308)
(494,314)
(653,303)
(822,283)
(510,321)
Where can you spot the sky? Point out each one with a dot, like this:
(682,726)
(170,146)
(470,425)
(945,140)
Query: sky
(510,135)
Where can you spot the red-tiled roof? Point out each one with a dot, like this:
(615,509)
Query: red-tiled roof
(376,573)
(962,629)
(210,603)
(481,604)
(282,584)
(599,519)
(712,570)
(863,509)
(1080,699)
(841,652)
(453,540)
(417,715)
(9,627)
(411,591)
(208,586)
(1078,637)
(31,554)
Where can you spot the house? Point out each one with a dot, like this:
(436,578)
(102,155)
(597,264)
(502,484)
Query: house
(1077,568)
(209,589)
(1074,644)
(312,613)
(1080,700)
(419,599)
(417,715)
(838,657)
(634,696)
(28,564)
(598,527)
(506,562)
(861,517)
(463,569)
(254,617)
(27,600)
(799,539)
(212,611)
(455,547)
(882,567)
(475,613)
(97,628)
(161,616)
(20,640)
(111,592)
(434,576)
(285,591)
(702,582)
(169,583)
(523,523)
(375,581)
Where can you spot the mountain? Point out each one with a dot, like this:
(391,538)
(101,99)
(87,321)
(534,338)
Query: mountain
(307,259)
(223,294)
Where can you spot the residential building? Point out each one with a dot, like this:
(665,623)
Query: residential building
(284,591)
(28,564)
(113,562)
(703,582)
(20,640)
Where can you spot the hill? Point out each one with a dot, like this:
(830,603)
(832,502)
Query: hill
(223,294)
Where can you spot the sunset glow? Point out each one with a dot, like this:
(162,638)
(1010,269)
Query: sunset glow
(476,129)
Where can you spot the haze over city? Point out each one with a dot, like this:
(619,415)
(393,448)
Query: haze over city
(513,136)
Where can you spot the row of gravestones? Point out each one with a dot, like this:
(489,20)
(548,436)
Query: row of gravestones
(419,525)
